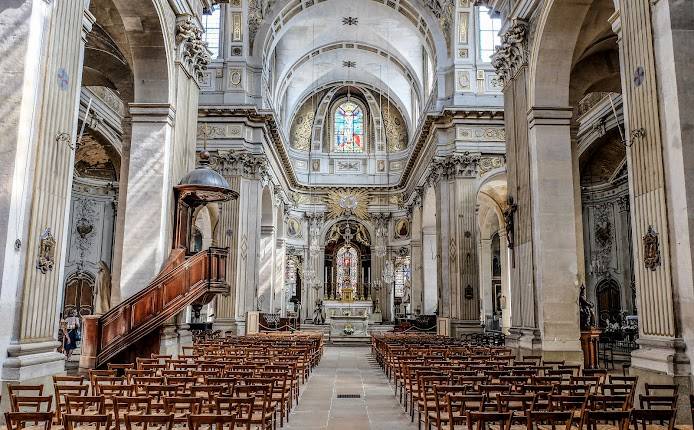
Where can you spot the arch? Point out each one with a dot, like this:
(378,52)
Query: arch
(427,27)
(266,212)
(552,52)
(150,50)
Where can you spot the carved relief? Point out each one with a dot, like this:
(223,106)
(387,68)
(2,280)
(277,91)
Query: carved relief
(489,163)
(301,129)
(396,133)
(462,81)
(443,11)
(651,249)
(490,134)
(46,257)
(603,233)
(464,165)
(513,52)
(240,164)
(347,203)
(193,53)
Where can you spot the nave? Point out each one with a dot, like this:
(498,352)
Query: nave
(345,371)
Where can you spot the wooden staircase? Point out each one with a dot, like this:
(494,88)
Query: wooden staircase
(183,281)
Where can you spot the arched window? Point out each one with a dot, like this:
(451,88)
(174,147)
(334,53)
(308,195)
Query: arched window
(349,128)
(347,259)
(212,24)
(489,27)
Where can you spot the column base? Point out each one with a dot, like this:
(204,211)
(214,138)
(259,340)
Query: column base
(234,327)
(174,337)
(524,341)
(663,361)
(463,327)
(33,360)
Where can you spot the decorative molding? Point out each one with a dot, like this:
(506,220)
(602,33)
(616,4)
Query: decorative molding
(488,134)
(454,166)
(488,163)
(240,163)
(193,54)
(513,54)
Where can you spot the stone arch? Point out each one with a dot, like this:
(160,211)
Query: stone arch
(552,52)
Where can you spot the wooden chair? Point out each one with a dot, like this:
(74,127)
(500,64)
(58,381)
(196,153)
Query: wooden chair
(459,405)
(24,390)
(212,422)
(549,420)
(146,422)
(661,389)
(241,408)
(61,391)
(85,405)
(657,402)
(517,404)
(653,419)
(440,413)
(92,422)
(23,420)
(130,405)
(31,403)
(263,413)
(605,420)
(489,420)
(182,407)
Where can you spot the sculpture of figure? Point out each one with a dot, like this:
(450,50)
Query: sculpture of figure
(586,309)
(103,289)
(406,292)
(318,317)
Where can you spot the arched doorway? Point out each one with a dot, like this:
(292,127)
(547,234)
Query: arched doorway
(79,294)
(348,262)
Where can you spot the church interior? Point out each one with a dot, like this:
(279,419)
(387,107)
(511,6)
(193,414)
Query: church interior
(363,214)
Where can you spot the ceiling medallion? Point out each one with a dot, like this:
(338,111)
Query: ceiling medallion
(350,20)
(349,64)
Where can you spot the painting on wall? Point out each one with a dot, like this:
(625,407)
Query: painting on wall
(402,228)
(293,228)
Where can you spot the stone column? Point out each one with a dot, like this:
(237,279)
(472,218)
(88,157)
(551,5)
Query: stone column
(554,232)
(511,65)
(147,231)
(456,195)
(417,294)
(280,264)
(485,270)
(657,99)
(429,271)
(266,263)
(41,87)
(239,227)
(505,283)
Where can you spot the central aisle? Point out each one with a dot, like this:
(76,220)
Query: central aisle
(348,370)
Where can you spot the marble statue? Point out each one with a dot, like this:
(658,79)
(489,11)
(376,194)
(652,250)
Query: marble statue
(102,302)
(586,309)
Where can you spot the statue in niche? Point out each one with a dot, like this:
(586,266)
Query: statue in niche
(509,212)
(406,292)
(103,289)
(587,310)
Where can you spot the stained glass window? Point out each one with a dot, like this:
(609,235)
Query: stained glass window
(349,128)
(489,33)
(212,25)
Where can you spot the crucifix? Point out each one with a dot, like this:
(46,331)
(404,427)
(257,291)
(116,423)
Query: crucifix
(509,213)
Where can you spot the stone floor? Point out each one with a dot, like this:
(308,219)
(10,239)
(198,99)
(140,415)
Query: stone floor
(348,370)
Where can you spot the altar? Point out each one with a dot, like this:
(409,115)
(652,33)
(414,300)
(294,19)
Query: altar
(357,308)
(349,326)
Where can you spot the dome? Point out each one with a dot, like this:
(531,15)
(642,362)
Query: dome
(204,185)
(204,176)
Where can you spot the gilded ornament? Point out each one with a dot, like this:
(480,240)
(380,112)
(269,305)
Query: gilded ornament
(46,257)
(347,203)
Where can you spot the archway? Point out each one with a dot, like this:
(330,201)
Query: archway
(266,254)
(348,262)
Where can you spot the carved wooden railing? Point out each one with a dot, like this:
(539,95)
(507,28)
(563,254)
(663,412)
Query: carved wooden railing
(181,282)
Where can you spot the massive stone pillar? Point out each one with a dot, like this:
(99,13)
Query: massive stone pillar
(455,179)
(540,215)
(658,100)
(484,248)
(162,151)
(417,263)
(266,264)
(239,229)
(147,230)
(43,56)
(554,232)
(505,283)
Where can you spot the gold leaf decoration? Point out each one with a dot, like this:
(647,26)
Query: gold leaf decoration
(347,203)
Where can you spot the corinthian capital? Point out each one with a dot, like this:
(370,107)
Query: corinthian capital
(513,52)
(192,52)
